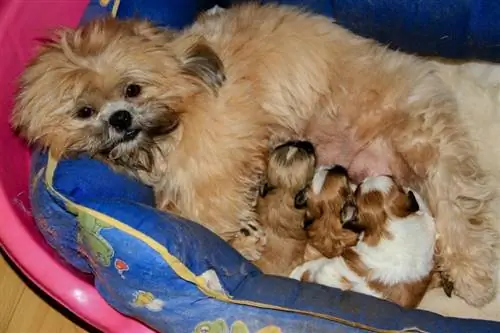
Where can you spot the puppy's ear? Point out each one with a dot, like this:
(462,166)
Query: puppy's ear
(354,226)
(413,206)
(200,62)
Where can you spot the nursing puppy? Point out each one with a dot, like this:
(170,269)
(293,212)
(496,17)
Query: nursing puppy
(282,207)
(191,113)
(330,204)
(394,256)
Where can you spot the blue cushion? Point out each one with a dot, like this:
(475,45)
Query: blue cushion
(149,264)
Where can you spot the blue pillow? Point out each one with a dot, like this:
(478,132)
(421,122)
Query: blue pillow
(152,265)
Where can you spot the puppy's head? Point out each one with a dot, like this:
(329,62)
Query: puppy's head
(380,201)
(291,167)
(282,199)
(112,88)
(330,203)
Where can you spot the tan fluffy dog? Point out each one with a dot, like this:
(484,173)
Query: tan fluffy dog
(282,207)
(211,96)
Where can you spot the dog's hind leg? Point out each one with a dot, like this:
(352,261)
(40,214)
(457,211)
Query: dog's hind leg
(462,196)
(436,145)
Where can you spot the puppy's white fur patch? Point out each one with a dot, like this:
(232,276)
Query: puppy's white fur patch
(291,152)
(319,179)
(377,184)
(408,256)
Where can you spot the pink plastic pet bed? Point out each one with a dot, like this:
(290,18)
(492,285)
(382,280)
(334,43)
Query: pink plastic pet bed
(21,23)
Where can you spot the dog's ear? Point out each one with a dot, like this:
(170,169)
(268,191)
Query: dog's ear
(199,61)
(413,205)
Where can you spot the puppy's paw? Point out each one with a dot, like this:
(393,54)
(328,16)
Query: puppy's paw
(250,241)
(301,272)
(307,271)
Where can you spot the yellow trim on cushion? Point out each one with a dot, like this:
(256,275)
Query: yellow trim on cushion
(116,4)
(180,269)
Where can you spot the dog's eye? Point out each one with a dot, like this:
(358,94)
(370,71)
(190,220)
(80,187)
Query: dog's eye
(85,112)
(301,199)
(132,90)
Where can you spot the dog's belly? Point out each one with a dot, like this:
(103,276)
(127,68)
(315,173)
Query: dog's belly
(336,143)
(371,160)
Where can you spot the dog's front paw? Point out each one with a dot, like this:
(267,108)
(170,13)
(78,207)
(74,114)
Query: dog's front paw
(250,242)
(474,282)
(467,259)
(471,275)
(447,284)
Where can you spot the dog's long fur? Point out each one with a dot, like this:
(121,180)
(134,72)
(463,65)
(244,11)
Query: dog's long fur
(235,80)
(479,108)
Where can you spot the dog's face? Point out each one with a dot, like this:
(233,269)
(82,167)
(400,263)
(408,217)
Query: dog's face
(282,201)
(379,201)
(111,88)
(330,203)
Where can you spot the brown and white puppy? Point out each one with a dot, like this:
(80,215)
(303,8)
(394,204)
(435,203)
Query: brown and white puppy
(330,203)
(394,256)
(203,104)
(282,207)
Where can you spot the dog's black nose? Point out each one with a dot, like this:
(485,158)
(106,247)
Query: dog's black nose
(304,145)
(121,120)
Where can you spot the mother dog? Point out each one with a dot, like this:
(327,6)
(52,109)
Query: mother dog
(212,98)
